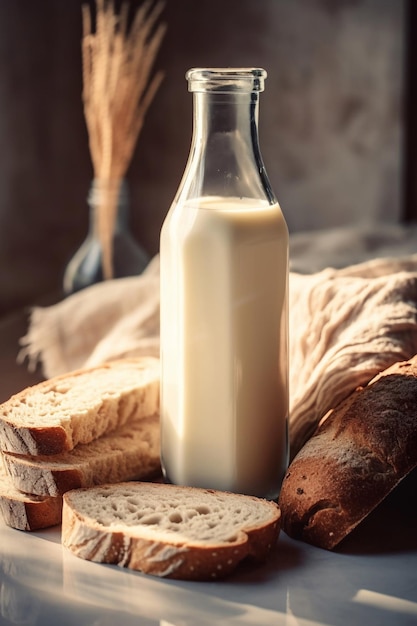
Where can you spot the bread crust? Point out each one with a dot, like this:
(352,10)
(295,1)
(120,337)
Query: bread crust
(131,452)
(27,512)
(104,411)
(30,514)
(361,451)
(33,440)
(168,557)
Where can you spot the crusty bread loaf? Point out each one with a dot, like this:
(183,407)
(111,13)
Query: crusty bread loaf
(133,451)
(58,414)
(169,531)
(364,448)
(26,512)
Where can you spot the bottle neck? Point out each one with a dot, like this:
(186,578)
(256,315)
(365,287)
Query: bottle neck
(109,193)
(225,114)
(225,158)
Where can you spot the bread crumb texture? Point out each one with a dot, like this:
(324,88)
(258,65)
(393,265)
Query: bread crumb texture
(60,413)
(130,452)
(170,531)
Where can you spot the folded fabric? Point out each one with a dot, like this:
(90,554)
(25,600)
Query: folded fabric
(115,318)
(346,325)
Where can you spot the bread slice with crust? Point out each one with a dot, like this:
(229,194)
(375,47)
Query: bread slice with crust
(133,451)
(26,512)
(58,414)
(166,530)
(358,455)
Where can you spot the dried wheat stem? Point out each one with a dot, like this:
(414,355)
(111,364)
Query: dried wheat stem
(117,92)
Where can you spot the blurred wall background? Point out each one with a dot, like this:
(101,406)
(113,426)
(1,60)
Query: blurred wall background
(331,120)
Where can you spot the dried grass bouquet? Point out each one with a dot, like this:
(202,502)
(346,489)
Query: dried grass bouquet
(118,56)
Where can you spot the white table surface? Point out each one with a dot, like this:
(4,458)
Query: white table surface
(371,579)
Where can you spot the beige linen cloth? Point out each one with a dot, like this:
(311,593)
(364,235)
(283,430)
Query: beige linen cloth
(346,325)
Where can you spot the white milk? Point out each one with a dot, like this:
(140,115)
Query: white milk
(224,381)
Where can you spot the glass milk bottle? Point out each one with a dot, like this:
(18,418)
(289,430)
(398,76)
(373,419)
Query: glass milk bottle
(224,308)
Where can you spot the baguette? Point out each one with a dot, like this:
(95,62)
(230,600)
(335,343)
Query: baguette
(130,452)
(164,530)
(62,412)
(25,512)
(357,456)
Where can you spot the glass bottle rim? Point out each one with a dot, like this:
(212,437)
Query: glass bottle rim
(226,79)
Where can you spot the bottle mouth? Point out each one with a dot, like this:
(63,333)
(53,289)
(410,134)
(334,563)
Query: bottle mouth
(226,79)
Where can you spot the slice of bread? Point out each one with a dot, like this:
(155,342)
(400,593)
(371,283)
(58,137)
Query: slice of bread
(58,414)
(26,512)
(133,451)
(364,448)
(169,531)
